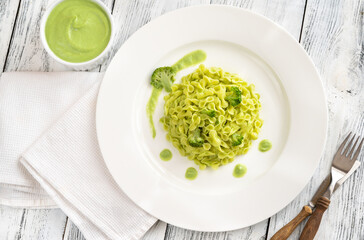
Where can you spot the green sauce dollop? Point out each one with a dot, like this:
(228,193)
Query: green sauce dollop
(191,173)
(166,155)
(265,145)
(77,30)
(239,170)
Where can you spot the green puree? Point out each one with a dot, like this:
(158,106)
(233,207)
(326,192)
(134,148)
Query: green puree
(77,30)
(239,170)
(191,173)
(186,61)
(151,105)
(189,60)
(166,155)
(265,145)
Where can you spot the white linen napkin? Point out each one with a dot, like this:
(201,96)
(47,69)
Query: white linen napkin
(29,103)
(64,165)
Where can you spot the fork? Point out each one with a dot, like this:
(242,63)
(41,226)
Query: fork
(341,165)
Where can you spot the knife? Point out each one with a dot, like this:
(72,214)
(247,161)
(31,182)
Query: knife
(306,211)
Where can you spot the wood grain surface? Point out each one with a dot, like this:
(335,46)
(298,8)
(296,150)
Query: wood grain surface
(8,13)
(332,33)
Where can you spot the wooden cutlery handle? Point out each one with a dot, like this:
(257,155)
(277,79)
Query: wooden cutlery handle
(313,223)
(286,231)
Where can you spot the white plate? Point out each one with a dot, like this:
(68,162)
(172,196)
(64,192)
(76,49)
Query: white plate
(293,110)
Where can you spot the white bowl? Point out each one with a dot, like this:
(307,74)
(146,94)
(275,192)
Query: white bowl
(79,65)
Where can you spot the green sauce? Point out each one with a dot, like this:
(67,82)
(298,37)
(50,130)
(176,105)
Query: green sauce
(151,105)
(191,173)
(77,30)
(189,60)
(239,170)
(166,155)
(265,145)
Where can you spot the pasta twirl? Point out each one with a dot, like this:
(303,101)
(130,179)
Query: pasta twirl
(212,116)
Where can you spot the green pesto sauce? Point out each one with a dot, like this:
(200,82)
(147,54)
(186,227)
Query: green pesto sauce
(189,60)
(186,61)
(191,173)
(77,30)
(239,170)
(151,105)
(265,145)
(166,155)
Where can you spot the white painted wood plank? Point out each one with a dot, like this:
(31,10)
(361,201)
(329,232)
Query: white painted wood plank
(71,232)
(17,223)
(42,224)
(287,13)
(10,219)
(255,232)
(333,37)
(8,10)
(157,232)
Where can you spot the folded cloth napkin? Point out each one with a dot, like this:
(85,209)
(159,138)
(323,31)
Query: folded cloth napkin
(29,104)
(49,154)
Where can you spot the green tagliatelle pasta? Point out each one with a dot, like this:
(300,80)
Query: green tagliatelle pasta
(212,116)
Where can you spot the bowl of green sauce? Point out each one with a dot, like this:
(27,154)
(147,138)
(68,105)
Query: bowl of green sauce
(77,33)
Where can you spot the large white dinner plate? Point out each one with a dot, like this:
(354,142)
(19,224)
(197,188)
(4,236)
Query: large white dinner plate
(293,110)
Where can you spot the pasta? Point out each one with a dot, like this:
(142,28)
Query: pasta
(212,116)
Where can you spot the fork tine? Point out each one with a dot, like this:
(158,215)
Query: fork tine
(353,147)
(356,154)
(348,146)
(343,144)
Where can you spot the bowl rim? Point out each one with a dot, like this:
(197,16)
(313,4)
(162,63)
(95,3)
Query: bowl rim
(75,64)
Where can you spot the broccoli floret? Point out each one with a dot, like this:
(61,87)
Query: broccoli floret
(236,139)
(195,139)
(163,77)
(234,96)
(210,113)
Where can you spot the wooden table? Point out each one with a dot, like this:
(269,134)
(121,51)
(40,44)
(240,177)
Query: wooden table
(332,33)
